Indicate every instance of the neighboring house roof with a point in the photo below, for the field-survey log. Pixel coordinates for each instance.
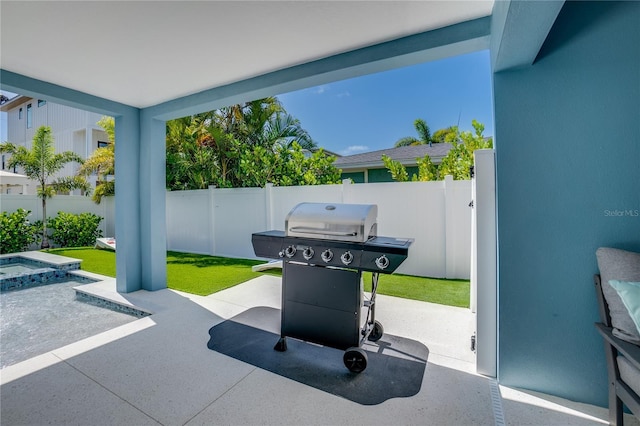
(405, 154)
(14, 102)
(9, 178)
(326, 151)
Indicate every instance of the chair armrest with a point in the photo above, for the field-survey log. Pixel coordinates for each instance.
(630, 351)
(603, 307)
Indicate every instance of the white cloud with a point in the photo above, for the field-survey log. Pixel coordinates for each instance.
(354, 149)
(320, 89)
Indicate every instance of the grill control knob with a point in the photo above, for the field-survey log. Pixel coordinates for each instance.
(327, 255)
(307, 253)
(346, 257)
(382, 262)
(290, 251)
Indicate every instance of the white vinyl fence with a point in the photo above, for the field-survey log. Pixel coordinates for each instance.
(66, 203)
(435, 214)
(220, 222)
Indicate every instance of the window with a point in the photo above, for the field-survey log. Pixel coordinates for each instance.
(20, 114)
(29, 117)
(41, 103)
(102, 144)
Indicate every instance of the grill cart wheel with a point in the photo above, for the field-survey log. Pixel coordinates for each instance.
(376, 332)
(355, 359)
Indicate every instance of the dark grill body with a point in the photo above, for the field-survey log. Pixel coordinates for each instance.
(325, 249)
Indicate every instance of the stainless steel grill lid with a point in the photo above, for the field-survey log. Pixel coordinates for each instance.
(338, 222)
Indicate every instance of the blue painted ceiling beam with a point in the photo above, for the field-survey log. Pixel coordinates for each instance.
(453, 40)
(27, 86)
(518, 30)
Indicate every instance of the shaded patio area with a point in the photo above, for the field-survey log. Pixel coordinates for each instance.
(159, 370)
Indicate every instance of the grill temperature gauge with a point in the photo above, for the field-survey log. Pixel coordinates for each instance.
(327, 255)
(346, 257)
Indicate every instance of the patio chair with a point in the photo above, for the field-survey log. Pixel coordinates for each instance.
(620, 334)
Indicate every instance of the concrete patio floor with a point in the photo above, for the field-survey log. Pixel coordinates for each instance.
(158, 370)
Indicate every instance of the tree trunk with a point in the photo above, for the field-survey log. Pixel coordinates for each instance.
(45, 238)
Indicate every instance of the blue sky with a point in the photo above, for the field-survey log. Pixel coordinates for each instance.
(372, 112)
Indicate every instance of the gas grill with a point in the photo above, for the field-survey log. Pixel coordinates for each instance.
(324, 249)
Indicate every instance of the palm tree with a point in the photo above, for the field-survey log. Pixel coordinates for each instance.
(102, 163)
(263, 122)
(424, 135)
(41, 163)
(199, 153)
(246, 121)
(205, 149)
(284, 129)
(447, 135)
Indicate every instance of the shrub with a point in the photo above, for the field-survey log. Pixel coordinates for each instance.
(75, 230)
(16, 232)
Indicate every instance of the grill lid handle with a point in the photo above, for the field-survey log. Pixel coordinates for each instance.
(322, 231)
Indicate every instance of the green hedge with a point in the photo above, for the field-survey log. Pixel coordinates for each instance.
(74, 230)
(16, 232)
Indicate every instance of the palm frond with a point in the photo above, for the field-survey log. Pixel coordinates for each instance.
(103, 189)
(69, 183)
(101, 162)
(8, 147)
(407, 141)
(108, 124)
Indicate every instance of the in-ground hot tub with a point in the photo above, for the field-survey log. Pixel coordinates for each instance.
(23, 270)
(44, 305)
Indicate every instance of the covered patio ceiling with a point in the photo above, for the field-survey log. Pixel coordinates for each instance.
(144, 53)
(145, 62)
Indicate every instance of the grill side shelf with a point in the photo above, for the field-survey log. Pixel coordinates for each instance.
(267, 244)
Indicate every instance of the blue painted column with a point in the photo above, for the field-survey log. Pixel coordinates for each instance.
(152, 184)
(568, 153)
(127, 153)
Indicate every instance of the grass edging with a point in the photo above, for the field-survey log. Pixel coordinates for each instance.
(204, 275)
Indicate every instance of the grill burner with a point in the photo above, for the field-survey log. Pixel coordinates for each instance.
(325, 249)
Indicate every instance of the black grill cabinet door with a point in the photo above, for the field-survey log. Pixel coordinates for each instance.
(321, 305)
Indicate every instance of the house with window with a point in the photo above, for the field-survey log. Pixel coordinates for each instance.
(73, 130)
(368, 166)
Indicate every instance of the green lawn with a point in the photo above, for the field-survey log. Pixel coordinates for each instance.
(204, 275)
(434, 290)
(101, 262)
(192, 273)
